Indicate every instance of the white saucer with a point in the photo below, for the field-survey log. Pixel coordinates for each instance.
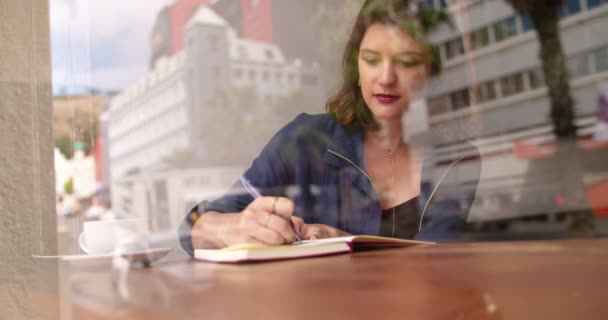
(144, 256)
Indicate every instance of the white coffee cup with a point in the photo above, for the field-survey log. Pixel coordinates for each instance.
(110, 236)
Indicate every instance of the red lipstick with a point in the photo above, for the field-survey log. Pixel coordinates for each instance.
(386, 98)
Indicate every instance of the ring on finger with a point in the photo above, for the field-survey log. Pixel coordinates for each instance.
(274, 204)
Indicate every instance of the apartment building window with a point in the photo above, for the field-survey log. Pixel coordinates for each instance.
(443, 4)
(278, 76)
(237, 73)
(569, 8)
(595, 3)
(536, 78)
(505, 29)
(578, 66)
(242, 52)
(265, 75)
(269, 54)
(601, 59)
(526, 22)
(427, 4)
(252, 75)
(486, 91)
(290, 78)
(460, 99)
(480, 38)
(454, 48)
(217, 72)
(213, 42)
(512, 84)
(309, 79)
(438, 105)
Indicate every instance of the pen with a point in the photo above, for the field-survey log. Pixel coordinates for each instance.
(253, 191)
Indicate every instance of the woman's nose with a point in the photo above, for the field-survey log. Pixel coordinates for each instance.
(387, 76)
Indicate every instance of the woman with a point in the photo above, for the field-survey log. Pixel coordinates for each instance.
(349, 171)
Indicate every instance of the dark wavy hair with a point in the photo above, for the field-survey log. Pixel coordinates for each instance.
(347, 106)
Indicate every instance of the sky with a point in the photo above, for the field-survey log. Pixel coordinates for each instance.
(101, 44)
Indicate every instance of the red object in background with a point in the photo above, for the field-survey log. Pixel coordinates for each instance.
(559, 200)
(527, 151)
(257, 20)
(179, 14)
(256, 16)
(597, 195)
(98, 156)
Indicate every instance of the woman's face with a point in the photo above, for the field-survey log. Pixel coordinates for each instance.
(391, 70)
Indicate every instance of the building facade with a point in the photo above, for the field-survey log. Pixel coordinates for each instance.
(491, 90)
(168, 110)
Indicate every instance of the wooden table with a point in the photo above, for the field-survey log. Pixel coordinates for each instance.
(509, 280)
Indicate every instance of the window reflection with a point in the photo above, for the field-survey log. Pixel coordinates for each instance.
(217, 79)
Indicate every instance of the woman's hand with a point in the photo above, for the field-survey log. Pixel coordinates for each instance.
(316, 231)
(265, 222)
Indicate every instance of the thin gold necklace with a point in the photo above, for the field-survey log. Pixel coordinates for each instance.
(391, 153)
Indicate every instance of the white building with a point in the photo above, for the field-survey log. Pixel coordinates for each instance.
(164, 112)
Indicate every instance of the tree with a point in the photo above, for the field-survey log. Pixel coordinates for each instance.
(68, 186)
(64, 144)
(544, 15)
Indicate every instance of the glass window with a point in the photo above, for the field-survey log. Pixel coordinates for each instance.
(213, 42)
(569, 8)
(480, 38)
(601, 59)
(512, 138)
(486, 91)
(578, 66)
(512, 84)
(438, 105)
(309, 79)
(427, 4)
(505, 28)
(526, 22)
(454, 48)
(269, 54)
(595, 3)
(536, 78)
(217, 72)
(238, 73)
(460, 99)
(242, 52)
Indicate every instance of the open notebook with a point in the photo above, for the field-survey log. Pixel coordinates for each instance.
(302, 249)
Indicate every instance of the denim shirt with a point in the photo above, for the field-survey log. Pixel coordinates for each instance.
(319, 164)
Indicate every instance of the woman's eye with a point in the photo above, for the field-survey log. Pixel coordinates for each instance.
(371, 61)
(408, 63)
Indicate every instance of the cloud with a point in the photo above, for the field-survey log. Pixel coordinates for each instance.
(102, 44)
